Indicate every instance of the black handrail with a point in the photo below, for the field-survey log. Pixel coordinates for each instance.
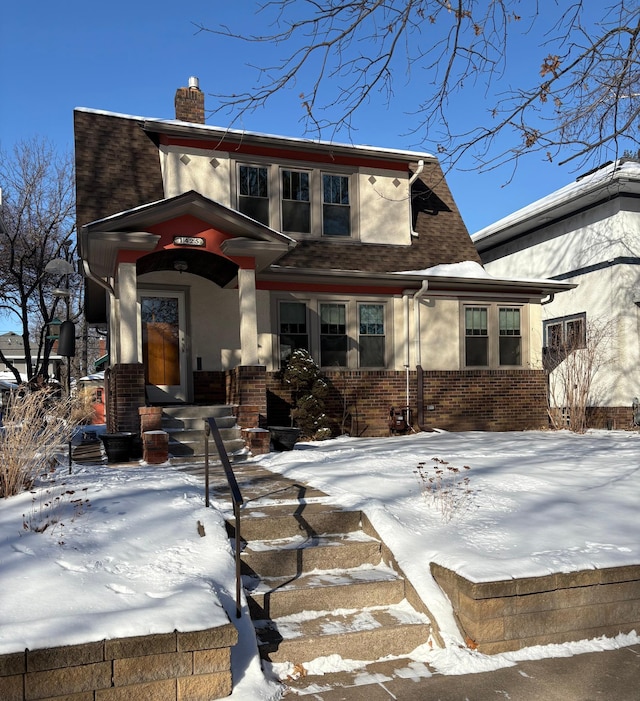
(211, 427)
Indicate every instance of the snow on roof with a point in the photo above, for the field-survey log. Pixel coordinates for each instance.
(614, 175)
(470, 270)
(245, 133)
(467, 268)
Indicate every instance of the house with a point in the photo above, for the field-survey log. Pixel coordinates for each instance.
(586, 233)
(12, 349)
(209, 254)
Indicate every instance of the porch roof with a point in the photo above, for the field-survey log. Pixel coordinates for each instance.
(101, 241)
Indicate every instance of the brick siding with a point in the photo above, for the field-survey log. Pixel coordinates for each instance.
(359, 401)
(125, 395)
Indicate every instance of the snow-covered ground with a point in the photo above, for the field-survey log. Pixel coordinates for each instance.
(122, 553)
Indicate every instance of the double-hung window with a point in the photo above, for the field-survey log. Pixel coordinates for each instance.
(371, 335)
(333, 335)
(296, 201)
(293, 328)
(493, 336)
(253, 192)
(510, 338)
(336, 208)
(476, 336)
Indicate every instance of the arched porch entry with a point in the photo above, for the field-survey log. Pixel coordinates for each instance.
(150, 260)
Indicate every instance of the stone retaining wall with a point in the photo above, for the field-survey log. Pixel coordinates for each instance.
(175, 666)
(511, 614)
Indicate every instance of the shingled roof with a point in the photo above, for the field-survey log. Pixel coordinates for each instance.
(118, 168)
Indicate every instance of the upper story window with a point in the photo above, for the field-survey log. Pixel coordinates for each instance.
(293, 328)
(493, 336)
(296, 201)
(253, 192)
(371, 335)
(336, 209)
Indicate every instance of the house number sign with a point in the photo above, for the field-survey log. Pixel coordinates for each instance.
(188, 241)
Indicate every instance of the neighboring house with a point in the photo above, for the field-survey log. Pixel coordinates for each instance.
(587, 233)
(12, 348)
(210, 254)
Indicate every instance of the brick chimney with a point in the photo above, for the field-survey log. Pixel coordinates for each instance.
(189, 103)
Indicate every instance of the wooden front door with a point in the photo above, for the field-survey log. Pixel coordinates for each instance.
(162, 317)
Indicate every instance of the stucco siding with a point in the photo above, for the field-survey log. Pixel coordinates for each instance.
(384, 207)
(198, 173)
(440, 334)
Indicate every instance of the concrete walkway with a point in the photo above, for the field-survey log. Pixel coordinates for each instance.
(604, 676)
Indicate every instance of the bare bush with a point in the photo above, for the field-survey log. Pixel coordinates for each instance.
(573, 364)
(36, 425)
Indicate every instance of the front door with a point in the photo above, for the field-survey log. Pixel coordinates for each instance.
(162, 317)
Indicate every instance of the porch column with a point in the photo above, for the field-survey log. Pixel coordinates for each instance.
(128, 310)
(248, 317)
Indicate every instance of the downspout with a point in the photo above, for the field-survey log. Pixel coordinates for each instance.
(103, 283)
(550, 298)
(412, 180)
(416, 310)
(416, 175)
(416, 313)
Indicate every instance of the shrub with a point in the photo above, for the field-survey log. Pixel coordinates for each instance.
(309, 389)
(36, 426)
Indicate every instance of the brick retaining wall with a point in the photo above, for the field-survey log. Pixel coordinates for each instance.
(171, 667)
(511, 614)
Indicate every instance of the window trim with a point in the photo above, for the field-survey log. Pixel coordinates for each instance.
(383, 335)
(313, 303)
(493, 334)
(316, 171)
(562, 321)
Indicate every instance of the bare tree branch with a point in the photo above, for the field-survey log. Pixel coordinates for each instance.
(39, 225)
(579, 94)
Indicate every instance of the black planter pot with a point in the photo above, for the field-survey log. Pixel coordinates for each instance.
(118, 446)
(284, 437)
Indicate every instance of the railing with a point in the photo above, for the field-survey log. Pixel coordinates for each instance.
(211, 428)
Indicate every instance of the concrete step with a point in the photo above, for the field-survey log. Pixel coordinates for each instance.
(195, 423)
(368, 633)
(326, 590)
(197, 411)
(358, 683)
(304, 553)
(308, 519)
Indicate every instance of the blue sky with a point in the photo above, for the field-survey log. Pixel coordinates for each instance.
(131, 56)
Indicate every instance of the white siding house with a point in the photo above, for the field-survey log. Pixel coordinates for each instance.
(587, 233)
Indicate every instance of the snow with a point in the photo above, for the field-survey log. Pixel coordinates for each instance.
(122, 554)
(615, 175)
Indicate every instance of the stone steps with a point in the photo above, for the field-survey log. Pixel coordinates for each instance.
(316, 583)
(368, 633)
(185, 426)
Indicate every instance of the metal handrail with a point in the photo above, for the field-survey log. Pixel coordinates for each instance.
(211, 427)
